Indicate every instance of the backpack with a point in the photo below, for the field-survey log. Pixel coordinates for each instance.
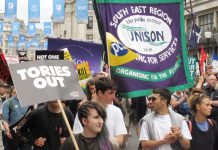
(15, 128)
(183, 108)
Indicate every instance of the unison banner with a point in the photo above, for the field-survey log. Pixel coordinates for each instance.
(41, 81)
(34, 11)
(80, 51)
(10, 9)
(145, 43)
(58, 11)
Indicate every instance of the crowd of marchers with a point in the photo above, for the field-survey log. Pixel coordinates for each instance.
(163, 120)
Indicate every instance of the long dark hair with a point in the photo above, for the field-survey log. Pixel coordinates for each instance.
(88, 91)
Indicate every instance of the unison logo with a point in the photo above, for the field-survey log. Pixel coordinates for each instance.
(145, 34)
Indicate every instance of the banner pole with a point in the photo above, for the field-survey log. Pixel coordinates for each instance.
(68, 126)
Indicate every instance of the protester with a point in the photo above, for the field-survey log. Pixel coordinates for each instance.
(95, 134)
(137, 112)
(45, 128)
(204, 131)
(90, 90)
(105, 90)
(212, 93)
(163, 128)
(179, 103)
(12, 112)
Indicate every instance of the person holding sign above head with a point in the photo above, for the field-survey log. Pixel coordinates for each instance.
(45, 128)
(106, 90)
(95, 134)
(163, 129)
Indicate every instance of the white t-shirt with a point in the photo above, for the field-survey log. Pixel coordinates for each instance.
(114, 122)
(162, 125)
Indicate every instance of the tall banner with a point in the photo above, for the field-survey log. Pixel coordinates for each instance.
(58, 11)
(1, 41)
(10, 9)
(10, 41)
(34, 43)
(146, 44)
(82, 11)
(22, 41)
(42, 81)
(47, 28)
(31, 29)
(80, 52)
(15, 29)
(1, 28)
(34, 11)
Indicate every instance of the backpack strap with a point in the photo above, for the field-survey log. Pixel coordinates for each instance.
(211, 122)
(190, 126)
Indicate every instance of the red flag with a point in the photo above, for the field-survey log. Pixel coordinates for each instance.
(203, 58)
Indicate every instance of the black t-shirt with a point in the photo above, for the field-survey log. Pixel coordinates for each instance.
(213, 95)
(43, 123)
(83, 143)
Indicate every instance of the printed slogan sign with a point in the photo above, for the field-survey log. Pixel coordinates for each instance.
(145, 44)
(192, 67)
(49, 55)
(41, 81)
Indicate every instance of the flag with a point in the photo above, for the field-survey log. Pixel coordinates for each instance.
(202, 60)
(214, 56)
(215, 62)
(194, 35)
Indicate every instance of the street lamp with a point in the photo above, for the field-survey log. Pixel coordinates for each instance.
(208, 36)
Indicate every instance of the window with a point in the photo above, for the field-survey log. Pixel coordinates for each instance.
(206, 23)
(90, 22)
(90, 7)
(89, 37)
(189, 24)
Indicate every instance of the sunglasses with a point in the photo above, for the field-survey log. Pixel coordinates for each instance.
(152, 98)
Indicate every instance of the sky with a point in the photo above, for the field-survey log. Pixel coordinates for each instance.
(22, 10)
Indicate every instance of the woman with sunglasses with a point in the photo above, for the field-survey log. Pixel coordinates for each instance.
(204, 131)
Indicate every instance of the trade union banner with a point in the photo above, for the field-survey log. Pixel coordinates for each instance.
(145, 43)
(41, 81)
(79, 52)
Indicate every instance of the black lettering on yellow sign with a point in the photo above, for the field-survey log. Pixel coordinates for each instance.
(83, 71)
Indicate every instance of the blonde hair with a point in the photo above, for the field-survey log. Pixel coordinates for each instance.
(195, 98)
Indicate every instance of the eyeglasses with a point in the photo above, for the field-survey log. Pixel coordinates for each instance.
(152, 98)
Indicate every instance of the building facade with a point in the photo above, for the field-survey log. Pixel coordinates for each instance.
(204, 13)
(74, 30)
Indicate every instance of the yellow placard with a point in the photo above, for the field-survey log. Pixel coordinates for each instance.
(67, 55)
(83, 71)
